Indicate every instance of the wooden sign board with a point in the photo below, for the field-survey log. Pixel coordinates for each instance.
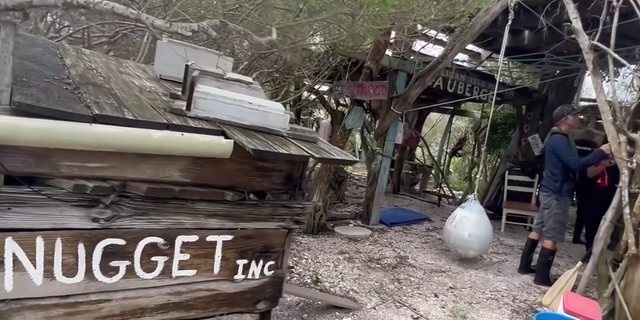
(145, 274)
(466, 85)
(362, 90)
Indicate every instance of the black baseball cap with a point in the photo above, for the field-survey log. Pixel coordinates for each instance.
(565, 110)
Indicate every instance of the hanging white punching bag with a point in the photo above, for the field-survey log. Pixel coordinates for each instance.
(468, 232)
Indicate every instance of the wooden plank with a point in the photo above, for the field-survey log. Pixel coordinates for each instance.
(82, 186)
(182, 301)
(385, 163)
(301, 133)
(151, 190)
(110, 95)
(320, 297)
(325, 152)
(241, 171)
(7, 41)
(156, 94)
(41, 83)
(52, 208)
(162, 256)
(264, 145)
(195, 193)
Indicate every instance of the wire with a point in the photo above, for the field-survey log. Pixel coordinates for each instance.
(495, 92)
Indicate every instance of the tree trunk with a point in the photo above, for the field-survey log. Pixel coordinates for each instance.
(326, 172)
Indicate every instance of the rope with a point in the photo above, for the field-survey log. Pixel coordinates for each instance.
(495, 92)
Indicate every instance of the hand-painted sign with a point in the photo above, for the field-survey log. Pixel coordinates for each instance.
(363, 90)
(458, 83)
(53, 262)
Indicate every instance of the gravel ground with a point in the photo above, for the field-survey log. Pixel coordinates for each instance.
(408, 273)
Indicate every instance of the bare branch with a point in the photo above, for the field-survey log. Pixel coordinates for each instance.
(184, 29)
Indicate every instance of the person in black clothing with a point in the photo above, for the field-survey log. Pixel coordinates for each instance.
(561, 163)
(607, 177)
(585, 184)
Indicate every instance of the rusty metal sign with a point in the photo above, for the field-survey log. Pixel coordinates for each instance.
(361, 90)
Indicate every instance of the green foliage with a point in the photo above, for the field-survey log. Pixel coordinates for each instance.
(502, 128)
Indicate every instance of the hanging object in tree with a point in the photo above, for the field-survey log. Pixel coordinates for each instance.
(468, 232)
(324, 129)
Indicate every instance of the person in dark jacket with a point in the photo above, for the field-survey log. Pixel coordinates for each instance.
(607, 178)
(584, 187)
(556, 190)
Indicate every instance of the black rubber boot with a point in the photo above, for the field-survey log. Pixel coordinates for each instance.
(543, 269)
(527, 257)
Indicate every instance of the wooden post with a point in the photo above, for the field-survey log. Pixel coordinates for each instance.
(444, 142)
(385, 163)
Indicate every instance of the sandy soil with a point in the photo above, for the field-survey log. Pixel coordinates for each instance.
(408, 273)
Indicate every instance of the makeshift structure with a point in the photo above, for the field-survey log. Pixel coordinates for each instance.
(113, 207)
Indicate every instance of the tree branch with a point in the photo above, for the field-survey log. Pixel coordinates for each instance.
(425, 77)
(184, 29)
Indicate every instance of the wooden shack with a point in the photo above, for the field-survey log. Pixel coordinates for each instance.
(113, 208)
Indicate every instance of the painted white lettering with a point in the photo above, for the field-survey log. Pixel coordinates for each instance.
(267, 271)
(97, 258)
(461, 87)
(179, 256)
(137, 257)
(255, 269)
(438, 84)
(217, 258)
(57, 264)
(240, 263)
(36, 273)
(476, 91)
(467, 90)
(451, 86)
(484, 94)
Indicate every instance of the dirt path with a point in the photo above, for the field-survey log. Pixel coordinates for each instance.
(408, 273)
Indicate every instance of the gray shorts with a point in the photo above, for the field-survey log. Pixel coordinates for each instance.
(553, 217)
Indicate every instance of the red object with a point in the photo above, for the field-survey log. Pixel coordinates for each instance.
(603, 178)
(580, 307)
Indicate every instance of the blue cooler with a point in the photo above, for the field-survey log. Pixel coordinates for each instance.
(552, 316)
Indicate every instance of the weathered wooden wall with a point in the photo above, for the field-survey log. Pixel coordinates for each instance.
(66, 256)
(242, 172)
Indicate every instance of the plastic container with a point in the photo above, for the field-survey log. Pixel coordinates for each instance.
(552, 316)
(579, 307)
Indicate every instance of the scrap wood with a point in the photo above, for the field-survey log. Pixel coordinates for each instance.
(320, 296)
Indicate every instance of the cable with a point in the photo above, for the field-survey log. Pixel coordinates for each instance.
(495, 92)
